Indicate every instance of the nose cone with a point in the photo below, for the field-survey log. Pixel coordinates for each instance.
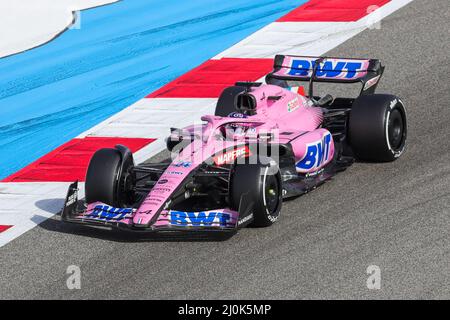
(160, 194)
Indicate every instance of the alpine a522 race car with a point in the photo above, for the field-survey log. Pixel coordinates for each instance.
(265, 143)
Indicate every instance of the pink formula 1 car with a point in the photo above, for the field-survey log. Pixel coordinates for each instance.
(264, 143)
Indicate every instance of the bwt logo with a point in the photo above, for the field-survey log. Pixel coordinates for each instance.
(110, 213)
(328, 69)
(316, 154)
(182, 218)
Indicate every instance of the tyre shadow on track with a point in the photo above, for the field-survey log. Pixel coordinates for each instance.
(56, 225)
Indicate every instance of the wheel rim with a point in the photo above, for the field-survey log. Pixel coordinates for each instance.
(126, 189)
(271, 191)
(395, 129)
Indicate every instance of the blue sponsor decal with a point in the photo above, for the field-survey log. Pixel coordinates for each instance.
(316, 154)
(184, 164)
(182, 218)
(329, 69)
(108, 213)
(237, 115)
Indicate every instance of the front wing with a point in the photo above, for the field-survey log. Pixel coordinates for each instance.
(102, 215)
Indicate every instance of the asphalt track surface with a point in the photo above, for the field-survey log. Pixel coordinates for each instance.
(394, 215)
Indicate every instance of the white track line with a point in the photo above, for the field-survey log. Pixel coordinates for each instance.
(306, 38)
(153, 118)
(25, 205)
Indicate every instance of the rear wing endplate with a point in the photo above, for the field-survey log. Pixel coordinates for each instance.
(327, 69)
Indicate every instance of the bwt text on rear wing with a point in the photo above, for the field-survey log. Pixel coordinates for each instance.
(327, 69)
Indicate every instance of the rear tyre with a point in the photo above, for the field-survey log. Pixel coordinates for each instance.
(227, 102)
(377, 128)
(262, 183)
(110, 179)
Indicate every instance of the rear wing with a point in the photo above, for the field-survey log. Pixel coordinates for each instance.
(327, 69)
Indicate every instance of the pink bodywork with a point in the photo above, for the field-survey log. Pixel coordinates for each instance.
(282, 115)
(292, 119)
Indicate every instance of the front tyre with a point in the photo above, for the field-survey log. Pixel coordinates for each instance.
(377, 128)
(262, 183)
(110, 178)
